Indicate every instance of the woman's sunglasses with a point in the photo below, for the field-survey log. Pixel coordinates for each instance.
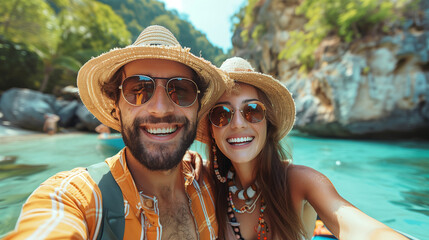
(138, 89)
(221, 115)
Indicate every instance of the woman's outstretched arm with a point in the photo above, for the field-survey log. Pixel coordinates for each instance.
(343, 219)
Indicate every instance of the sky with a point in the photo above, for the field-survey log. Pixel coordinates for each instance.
(212, 17)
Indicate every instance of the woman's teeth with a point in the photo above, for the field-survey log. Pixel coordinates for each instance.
(161, 131)
(240, 140)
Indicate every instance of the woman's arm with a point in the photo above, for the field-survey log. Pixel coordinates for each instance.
(342, 218)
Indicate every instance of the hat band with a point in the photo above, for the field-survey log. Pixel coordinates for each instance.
(242, 70)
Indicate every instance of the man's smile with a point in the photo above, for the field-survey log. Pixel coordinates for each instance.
(161, 131)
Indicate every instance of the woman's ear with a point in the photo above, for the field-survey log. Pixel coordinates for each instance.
(211, 131)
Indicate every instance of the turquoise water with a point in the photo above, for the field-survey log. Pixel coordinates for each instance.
(387, 180)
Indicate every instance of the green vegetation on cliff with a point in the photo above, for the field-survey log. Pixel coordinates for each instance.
(348, 19)
(247, 19)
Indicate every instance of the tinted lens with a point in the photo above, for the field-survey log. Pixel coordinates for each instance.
(220, 116)
(138, 89)
(253, 112)
(182, 91)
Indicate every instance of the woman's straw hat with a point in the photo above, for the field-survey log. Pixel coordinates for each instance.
(154, 42)
(281, 99)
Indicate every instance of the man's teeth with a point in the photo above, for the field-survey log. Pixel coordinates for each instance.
(240, 140)
(161, 131)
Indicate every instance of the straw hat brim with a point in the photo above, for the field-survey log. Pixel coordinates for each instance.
(279, 96)
(102, 68)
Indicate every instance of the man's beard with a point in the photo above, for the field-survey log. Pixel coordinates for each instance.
(158, 156)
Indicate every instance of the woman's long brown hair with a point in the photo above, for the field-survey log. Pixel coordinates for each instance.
(271, 176)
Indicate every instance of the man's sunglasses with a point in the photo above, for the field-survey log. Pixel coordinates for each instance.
(221, 115)
(138, 89)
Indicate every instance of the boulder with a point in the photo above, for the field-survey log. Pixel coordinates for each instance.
(66, 110)
(26, 108)
(87, 121)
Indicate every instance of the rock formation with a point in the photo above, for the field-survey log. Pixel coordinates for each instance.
(377, 86)
(26, 109)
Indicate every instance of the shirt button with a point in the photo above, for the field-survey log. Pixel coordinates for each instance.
(148, 203)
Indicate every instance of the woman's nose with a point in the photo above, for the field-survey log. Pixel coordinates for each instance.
(238, 120)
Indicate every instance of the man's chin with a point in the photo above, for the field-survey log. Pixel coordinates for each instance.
(158, 156)
(161, 160)
(152, 146)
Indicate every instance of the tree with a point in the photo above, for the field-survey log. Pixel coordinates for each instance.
(32, 23)
(65, 37)
(19, 67)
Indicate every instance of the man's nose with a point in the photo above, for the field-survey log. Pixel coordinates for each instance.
(160, 104)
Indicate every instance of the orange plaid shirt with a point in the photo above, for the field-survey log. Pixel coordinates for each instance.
(69, 206)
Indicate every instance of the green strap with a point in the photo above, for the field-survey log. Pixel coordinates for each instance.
(113, 224)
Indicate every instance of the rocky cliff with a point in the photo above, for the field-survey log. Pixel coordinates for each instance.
(375, 86)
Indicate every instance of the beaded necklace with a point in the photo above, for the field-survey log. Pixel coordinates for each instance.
(245, 208)
(262, 228)
(244, 194)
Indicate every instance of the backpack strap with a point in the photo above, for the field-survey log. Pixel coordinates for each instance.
(113, 223)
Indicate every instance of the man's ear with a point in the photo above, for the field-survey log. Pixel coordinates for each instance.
(116, 113)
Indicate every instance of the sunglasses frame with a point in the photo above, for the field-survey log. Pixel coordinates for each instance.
(156, 85)
(264, 109)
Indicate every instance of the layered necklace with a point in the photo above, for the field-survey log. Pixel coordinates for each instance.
(250, 198)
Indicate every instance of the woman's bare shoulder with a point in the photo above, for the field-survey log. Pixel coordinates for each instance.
(306, 177)
(295, 170)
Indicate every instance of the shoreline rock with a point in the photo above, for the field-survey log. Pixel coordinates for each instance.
(26, 109)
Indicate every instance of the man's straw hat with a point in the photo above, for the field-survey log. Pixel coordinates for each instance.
(281, 99)
(154, 42)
